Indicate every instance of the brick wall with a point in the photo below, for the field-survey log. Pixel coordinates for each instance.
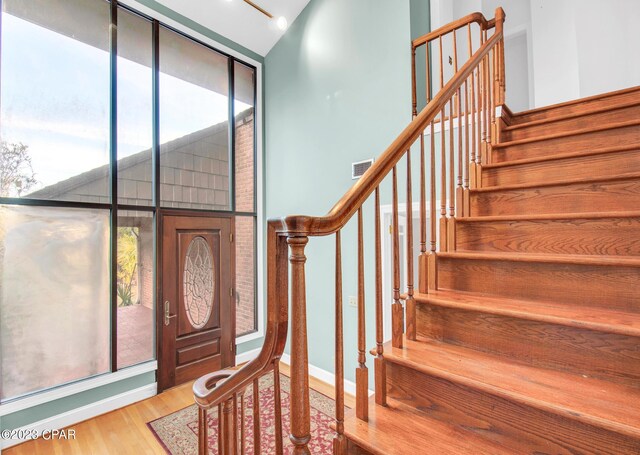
(245, 231)
(245, 164)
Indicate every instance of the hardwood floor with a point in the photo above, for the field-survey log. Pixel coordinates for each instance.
(125, 430)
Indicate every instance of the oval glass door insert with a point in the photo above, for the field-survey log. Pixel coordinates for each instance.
(198, 282)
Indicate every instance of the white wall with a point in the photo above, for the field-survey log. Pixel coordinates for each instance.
(517, 29)
(575, 48)
(608, 60)
(555, 52)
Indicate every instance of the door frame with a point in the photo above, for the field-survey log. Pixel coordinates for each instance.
(159, 307)
(386, 212)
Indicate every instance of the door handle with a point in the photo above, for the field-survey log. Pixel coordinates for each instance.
(167, 313)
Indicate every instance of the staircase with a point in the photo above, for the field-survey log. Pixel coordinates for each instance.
(530, 342)
(522, 335)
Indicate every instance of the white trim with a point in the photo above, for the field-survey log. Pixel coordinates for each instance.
(253, 335)
(326, 376)
(84, 412)
(36, 399)
(437, 127)
(247, 356)
(387, 210)
(259, 161)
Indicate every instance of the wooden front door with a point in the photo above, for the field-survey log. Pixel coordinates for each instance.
(195, 315)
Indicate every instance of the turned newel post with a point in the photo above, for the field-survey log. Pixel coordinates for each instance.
(300, 414)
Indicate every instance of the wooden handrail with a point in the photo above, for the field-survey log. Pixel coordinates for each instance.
(478, 18)
(347, 206)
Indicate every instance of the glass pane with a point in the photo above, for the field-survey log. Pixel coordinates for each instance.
(198, 282)
(134, 287)
(194, 125)
(245, 275)
(55, 100)
(244, 90)
(134, 110)
(54, 296)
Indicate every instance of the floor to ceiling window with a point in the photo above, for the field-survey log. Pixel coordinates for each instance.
(101, 129)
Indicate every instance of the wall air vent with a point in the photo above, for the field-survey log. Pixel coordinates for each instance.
(359, 168)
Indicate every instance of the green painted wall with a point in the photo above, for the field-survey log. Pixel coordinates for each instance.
(338, 90)
(420, 25)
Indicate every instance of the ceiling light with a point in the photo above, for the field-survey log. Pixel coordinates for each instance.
(282, 23)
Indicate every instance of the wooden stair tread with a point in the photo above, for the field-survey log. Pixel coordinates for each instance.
(570, 133)
(548, 258)
(560, 156)
(548, 216)
(525, 186)
(591, 318)
(397, 429)
(591, 401)
(573, 115)
(597, 97)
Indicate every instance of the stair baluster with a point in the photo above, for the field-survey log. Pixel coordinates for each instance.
(278, 409)
(339, 441)
(473, 176)
(204, 443)
(490, 105)
(459, 203)
(379, 365)
(397, 313)
(256, 418)
(241, 423)
(450, 232)
(203, 431)
(431, 258)
(362, 372)
(422, 258)
(410, 310)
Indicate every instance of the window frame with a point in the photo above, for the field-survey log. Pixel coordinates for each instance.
(158, 20)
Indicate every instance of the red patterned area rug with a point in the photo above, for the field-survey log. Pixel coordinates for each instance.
(178, 432)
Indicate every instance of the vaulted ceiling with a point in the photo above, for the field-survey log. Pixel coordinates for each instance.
(238, 21)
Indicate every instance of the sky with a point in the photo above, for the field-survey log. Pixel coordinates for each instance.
(55, 99)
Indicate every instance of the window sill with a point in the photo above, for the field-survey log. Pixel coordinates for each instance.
(46, 396)
(250, 336)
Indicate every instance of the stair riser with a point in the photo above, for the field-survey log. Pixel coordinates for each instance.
(500, 419)
(585, 352)
(600, 103)
(609, 286)
(596, 140)
(355, 449)
(583, 122)
(597, 236)
(604, 165)
(614, 195)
